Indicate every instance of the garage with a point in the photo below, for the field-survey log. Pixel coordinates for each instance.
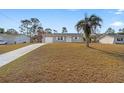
(68, 39)
(48, 39)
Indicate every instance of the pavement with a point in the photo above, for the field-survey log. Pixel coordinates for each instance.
(12, 55)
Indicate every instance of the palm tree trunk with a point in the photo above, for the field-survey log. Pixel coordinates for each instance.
(87, 42)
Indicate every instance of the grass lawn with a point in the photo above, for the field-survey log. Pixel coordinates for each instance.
(7, 48)
(68, 62)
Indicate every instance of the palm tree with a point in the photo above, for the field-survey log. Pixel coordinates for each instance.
(88, 26)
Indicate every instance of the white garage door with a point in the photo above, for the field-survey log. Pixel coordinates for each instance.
(48, 39)
(68, 39)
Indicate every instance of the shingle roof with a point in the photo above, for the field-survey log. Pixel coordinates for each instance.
(62, 34)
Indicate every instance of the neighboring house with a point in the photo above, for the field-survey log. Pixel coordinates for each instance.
(22, 39)
(59, 37)
(12, 39)
(112, 39)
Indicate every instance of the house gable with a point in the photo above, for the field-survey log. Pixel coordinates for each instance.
(107, 39)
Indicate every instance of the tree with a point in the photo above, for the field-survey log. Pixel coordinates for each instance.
(55, 31)
(35, 24)
(48, 30)
(110, 31)
(64, 30)
(88, 25)
(40, 29)
(121, 31)
(29, 27)
(2, 30)
(22, 29)
(26, 25)
(11, 31)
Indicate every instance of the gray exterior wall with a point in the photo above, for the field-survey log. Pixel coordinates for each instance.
(77, 40)
(67, 37)
(119, 37)
(1, 38)
(56, 40)
(11, 39)
(22, 39)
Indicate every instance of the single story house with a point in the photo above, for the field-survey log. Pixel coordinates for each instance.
(111, 39)
(62, 37)
(12, 39)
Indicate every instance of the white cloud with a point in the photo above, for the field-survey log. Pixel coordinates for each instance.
(119, 11)
(117, 24)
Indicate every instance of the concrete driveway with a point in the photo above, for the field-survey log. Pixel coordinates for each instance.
(12, 55)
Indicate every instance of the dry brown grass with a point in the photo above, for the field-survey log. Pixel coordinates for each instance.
(68, 62)
(7, 48)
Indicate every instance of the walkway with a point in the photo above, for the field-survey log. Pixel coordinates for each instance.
(12, 55)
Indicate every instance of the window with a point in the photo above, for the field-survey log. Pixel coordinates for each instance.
(119, 39)
(60, 38)
(75, 37)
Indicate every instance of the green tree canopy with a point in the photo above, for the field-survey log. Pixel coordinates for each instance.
(2, 30)
(48, 30)
(121, 31)
(11, 31)
(110, 31)
(64, 30)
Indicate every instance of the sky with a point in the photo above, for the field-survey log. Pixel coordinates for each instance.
(58, 18)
